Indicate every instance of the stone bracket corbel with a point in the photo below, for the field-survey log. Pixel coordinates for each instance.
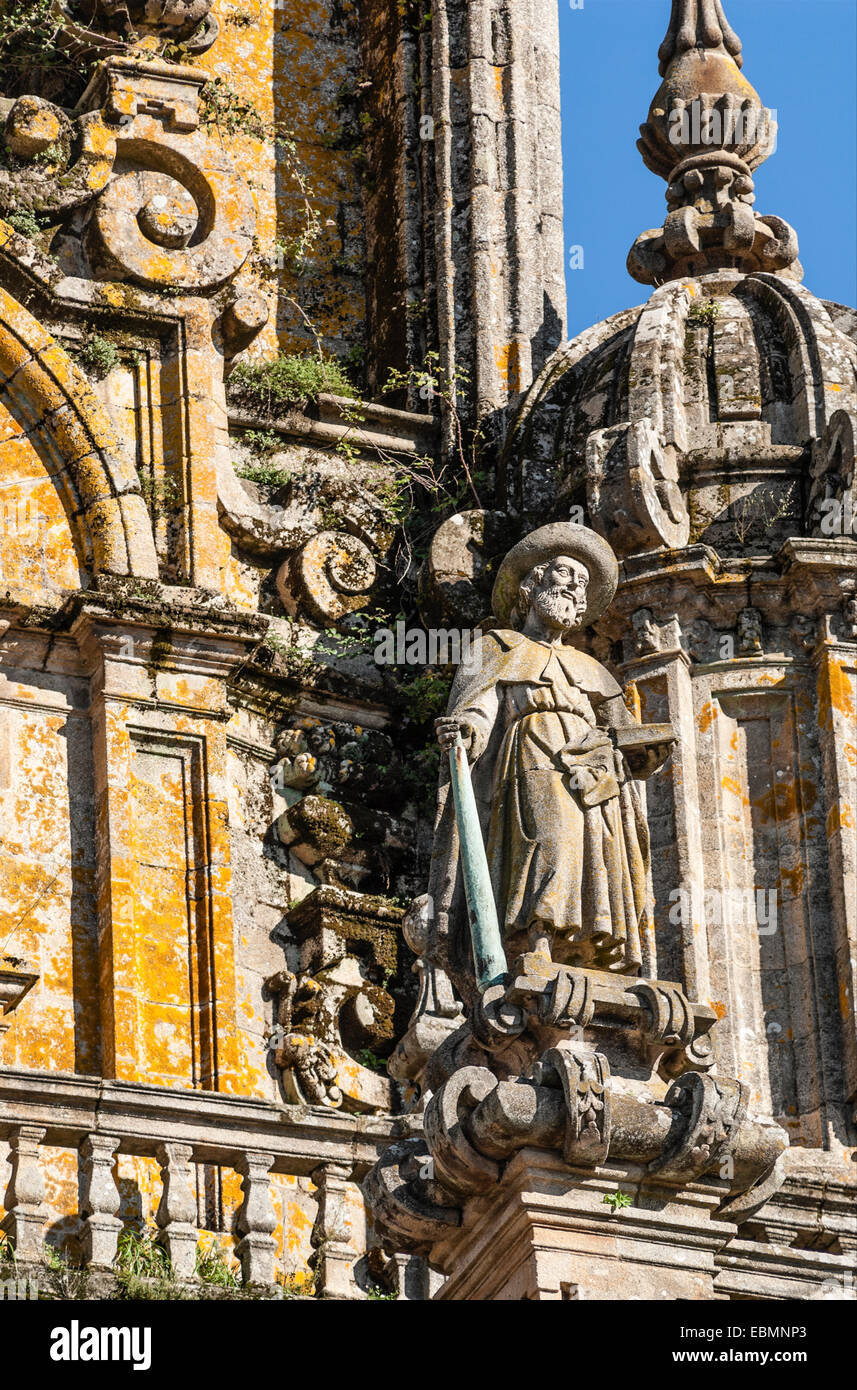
(458, 1165)
(409, 1209)
(549, 1000)
(709, 1113)
(16, 981)
(474, 1122)
(585, 1082)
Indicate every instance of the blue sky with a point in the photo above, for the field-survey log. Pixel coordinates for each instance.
(800, 57)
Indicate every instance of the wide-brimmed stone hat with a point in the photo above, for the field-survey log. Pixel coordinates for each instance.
(542, 546)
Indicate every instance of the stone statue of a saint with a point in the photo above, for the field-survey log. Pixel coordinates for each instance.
(560, 811)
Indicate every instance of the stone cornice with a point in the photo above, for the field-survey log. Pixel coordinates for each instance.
(331, 418)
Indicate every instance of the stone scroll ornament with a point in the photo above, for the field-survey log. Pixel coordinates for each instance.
(178, 213)
(536, 907)
(832, 509)
(331, 576)
(633, 490)
(166, 206)
(54, 162)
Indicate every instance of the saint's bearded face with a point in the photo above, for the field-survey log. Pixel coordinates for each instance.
(560, 596)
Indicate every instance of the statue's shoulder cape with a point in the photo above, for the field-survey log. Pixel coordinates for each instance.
(503, 656)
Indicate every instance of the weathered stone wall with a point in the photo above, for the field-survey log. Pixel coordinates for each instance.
(48, 854)
(214, 802)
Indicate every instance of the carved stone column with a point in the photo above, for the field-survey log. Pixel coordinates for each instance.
(835, 664)
(334, 1259)
(100, 1203)
(496, 144)
(257, 1220)
(26, 1210)
(410, 1278)
(662, 681)
(176, 1215)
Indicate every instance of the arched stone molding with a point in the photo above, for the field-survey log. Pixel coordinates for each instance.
(822, 361)
(67, 424)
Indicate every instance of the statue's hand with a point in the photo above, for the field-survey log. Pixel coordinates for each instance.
(449, 727)
(582, 778)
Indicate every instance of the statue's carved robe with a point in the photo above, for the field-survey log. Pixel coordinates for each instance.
(564, 828)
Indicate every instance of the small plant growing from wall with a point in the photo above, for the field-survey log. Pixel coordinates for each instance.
(616, 1201)
(25, 222)
(213, 1267)
(99, 355)
(290, 380)
(705, 313)
(64, 1280)
(265, 473)
(369, 1059)
(32, 57)
(376, 1294)
(161, 494)
(263, 443)
(298, 1285)
(240, 17)
(50, 156)
(143, 1269)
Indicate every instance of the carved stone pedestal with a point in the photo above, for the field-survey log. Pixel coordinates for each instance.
(547, 1234)
(26, 1211)
(566, 1087)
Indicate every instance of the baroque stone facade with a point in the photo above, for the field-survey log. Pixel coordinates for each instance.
(282, 370)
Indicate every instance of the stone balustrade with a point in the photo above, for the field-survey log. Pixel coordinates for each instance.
(103, 1120)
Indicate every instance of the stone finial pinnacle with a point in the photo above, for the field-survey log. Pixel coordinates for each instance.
(706, 131)
(699, 24)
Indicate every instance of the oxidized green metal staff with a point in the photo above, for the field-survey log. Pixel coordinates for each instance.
(488, 955)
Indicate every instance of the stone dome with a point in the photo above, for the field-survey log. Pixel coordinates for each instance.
(722, 411)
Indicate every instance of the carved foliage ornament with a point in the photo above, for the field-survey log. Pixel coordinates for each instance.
(308, 1049)
(585, 1081)
(709, 1112)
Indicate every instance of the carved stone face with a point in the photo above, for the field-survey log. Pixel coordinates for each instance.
(560, 595)
(645, 630)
